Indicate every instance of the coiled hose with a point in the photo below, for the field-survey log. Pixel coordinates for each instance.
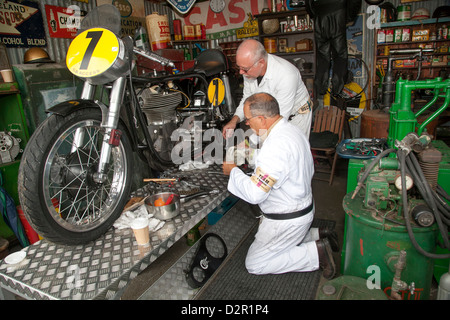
(426, 192)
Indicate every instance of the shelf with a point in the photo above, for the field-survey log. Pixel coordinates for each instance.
(291, 38)
(9, 88)
(379, 57)
(293, 53)
(189, 41)
(414, 22)
(280, 14)
(281, 34)
(411, 42)
(427, 71)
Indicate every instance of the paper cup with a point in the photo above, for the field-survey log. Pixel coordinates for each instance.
(140, 230)
(7, 75)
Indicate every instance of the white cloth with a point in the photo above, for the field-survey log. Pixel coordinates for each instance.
(125, 219)
(283, 81)
(284, 156)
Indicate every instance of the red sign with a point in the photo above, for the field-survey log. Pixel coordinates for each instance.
(63, 22)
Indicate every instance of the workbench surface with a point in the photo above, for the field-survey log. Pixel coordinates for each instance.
(102, 268)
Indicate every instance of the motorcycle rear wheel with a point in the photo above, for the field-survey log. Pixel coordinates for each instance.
(58, 194)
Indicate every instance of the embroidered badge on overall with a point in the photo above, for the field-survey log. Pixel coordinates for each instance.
(263, 180)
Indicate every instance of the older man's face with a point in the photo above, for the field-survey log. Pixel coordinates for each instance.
(248, 67)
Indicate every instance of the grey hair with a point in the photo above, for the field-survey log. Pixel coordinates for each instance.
(260, 52)
(263, 104)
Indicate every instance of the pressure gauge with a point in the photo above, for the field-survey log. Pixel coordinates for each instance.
(398, 182)
(217, 5)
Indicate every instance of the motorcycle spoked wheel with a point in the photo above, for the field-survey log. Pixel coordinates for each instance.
(57, 191)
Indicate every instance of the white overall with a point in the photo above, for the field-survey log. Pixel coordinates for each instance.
(283, 81)
(280, 245)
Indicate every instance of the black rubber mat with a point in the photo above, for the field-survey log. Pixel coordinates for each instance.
(233, 282)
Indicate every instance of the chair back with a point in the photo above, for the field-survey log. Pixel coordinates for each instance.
(329, 118)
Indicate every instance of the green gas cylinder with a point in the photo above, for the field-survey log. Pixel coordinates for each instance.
(373, 246)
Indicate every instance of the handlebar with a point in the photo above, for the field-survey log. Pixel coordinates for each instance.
(154, 57)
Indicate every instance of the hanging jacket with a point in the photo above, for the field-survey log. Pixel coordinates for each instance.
(330, 22)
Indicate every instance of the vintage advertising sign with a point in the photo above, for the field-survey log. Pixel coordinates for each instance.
(226, 23)
(21, 24)
(63, 22)
(132, 14)
(250, 28)
(182, 6)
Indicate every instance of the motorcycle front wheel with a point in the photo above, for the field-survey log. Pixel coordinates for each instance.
(58, 193)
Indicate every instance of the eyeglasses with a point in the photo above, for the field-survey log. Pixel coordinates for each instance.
(245, 70)
(247, 120)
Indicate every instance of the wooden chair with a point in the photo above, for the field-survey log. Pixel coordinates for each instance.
(329, 121)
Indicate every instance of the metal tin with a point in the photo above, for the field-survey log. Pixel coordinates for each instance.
(270, 44)
(403, 13)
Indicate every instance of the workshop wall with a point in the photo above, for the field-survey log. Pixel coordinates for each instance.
(57, 47)
(369, 41)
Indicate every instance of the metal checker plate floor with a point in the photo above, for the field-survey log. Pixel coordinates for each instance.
(102, 268)
(232, 228)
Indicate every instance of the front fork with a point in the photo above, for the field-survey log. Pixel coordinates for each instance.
(110, 120)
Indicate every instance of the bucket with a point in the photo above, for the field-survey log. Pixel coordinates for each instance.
(404, 13)
(29, 231)
(270, 44)
(158, 31)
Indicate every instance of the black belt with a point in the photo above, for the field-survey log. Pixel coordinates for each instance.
(290, 215)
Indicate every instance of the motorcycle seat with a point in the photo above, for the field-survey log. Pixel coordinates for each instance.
(210, 62)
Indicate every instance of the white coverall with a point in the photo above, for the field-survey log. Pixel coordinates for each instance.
(281, 183)
(283, 81)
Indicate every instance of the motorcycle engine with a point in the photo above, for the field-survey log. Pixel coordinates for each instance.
(159, 106)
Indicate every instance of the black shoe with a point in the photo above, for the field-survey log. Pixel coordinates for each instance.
(326, 260)
(332, 237)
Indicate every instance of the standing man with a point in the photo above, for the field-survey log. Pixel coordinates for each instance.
(281, 186)
(269, 73)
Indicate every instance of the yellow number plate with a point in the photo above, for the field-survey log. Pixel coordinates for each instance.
(92, 52)
(216, 91)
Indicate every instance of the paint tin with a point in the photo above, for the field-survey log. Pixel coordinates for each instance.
(404, 13)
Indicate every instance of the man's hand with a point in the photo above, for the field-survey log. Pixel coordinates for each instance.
(227, 167)
(228, 129)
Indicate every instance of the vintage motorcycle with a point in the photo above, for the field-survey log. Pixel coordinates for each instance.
(76, 170)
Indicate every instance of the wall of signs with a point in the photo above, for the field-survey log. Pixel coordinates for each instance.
(225, 23)
(21, 24)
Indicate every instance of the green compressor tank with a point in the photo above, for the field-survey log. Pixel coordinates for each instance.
(374, 243)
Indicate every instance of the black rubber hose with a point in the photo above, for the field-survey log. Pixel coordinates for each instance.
(420, 185)
(442, 206)
(442, 193)
(401, 156)
(430, 202)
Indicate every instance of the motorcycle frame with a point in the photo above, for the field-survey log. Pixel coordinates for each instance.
(133, 119)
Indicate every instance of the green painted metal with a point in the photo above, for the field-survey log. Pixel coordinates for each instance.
(12, 121)
(349, 288)
(373, 244)
(402, 119)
